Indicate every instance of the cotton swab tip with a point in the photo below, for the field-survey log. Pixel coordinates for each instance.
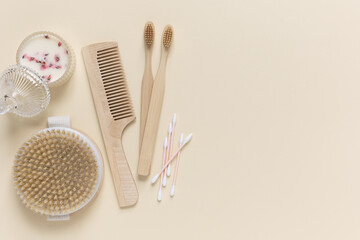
(168, 173)
(188, 138)
(170, 128)
(172, 192)
(164, 181)
(159, 195)
(165, 143)
(174, 119)
(181, 138)
(155, 178)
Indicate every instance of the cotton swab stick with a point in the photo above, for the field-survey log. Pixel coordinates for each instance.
(163, 163)
(168, 173)
(188, 138)
(172, 192)
(167, 153)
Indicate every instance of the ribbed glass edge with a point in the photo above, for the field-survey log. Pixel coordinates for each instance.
(33, 76)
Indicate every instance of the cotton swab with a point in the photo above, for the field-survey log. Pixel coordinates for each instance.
(172, 192)
(164, 181)
(159, 195)
(163, 163)
(167, 152)
(188, 138)
(171, 143)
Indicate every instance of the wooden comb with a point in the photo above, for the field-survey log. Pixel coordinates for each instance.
(114, 110)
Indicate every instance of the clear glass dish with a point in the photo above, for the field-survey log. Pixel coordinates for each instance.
(22, 92)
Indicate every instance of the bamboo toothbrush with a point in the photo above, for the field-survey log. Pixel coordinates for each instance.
(156, 101)
(148, 79)
(172, 191)
(114, 110)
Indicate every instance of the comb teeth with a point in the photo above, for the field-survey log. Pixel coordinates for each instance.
(149, 33)
(167, 36)
(114, 81)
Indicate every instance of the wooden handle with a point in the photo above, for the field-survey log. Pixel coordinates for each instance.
(121, 173)
(146, 89)
(152, 122)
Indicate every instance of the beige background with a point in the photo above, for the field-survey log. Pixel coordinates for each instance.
(270, 90)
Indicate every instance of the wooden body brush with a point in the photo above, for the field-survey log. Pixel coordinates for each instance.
(58, 171)
(148, 79)
(114, 110)
(153, 117)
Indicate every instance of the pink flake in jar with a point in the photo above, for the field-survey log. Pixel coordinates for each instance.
(49, 55)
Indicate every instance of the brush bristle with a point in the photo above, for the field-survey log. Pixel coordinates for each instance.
(149, 33)
(55, 172)
(167, 36)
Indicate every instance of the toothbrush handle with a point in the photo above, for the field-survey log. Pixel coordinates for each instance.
(146, 89)
(152, 122)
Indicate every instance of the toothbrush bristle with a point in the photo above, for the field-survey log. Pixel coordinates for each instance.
(149, 33)
(167, 36)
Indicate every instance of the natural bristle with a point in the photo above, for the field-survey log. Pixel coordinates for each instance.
(55, 172)
(149, 33)
(167, 36)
